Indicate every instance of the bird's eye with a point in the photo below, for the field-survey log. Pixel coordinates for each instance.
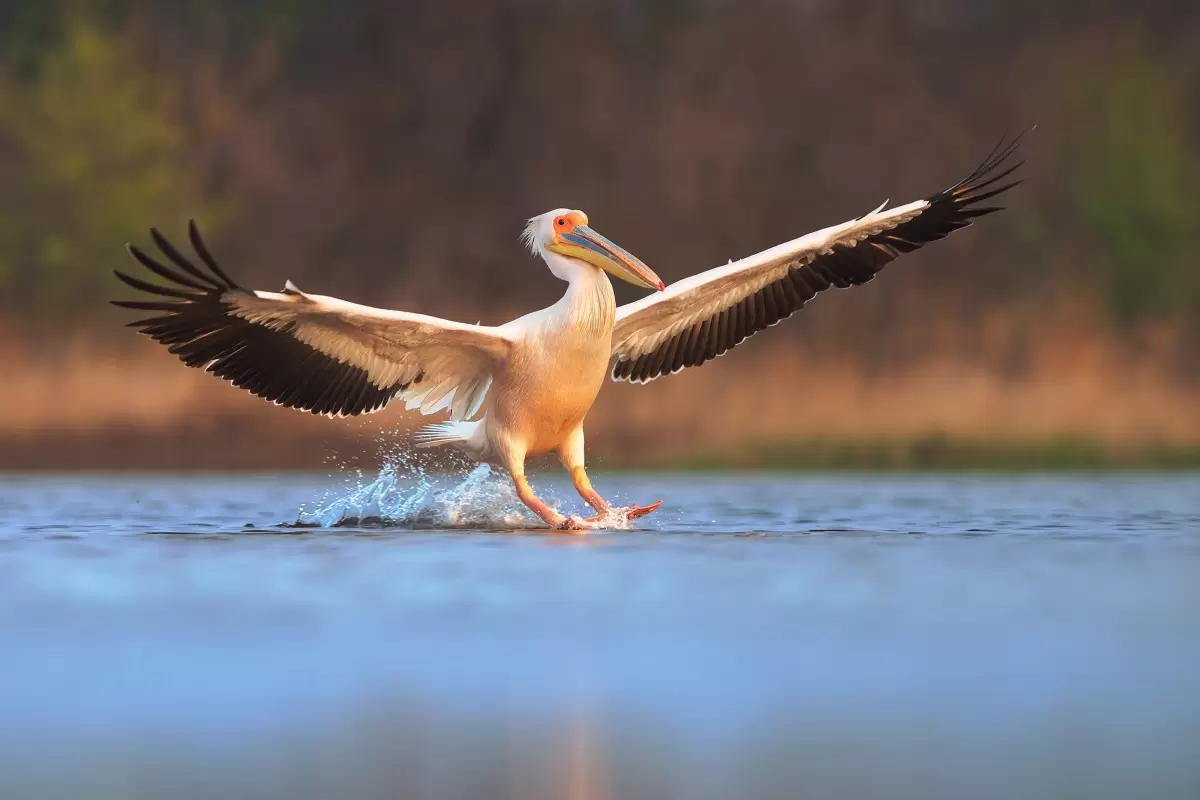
(560, 222)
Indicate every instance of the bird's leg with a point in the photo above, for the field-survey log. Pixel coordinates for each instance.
(584, 487)
(571, 454)
(605, 509)
(525, 492)
(514, 460)
(548, 514)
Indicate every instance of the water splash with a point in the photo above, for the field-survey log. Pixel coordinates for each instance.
(428, 490)
(405, 495)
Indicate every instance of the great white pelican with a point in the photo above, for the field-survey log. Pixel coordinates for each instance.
(525, 387)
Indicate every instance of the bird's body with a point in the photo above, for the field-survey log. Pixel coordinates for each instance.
(524, 388)
(555, 370)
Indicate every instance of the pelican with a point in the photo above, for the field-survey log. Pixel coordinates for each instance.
(524, 388)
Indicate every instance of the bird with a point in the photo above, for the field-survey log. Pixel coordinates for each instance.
(524, 388)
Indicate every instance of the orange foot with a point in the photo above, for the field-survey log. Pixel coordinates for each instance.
(626, 513)
(577, 525)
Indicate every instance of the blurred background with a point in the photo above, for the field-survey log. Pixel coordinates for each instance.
(389, 153)
(774, 635)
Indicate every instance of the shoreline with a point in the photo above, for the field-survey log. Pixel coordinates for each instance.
(246, 450)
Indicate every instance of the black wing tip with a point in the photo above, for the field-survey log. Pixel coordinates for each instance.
(974, 213)
(979, 198)
(195, 284)
(999, 154)
(1005, 151)
(136, 252)
(163, 243)
(963, 193)
(197, 328)
(206, 255)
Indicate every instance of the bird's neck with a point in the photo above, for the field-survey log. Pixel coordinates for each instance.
(589, 304)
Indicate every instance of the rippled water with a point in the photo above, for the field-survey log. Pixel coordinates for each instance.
(759, 636)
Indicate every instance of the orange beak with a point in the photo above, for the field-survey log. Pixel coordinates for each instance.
(585, 244)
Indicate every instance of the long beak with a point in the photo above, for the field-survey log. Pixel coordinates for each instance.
(587, 245)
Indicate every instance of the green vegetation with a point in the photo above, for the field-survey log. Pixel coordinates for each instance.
(99, 152)
(939, 452)
(1132, 170)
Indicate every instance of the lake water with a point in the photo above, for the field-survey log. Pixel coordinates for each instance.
(780, 636)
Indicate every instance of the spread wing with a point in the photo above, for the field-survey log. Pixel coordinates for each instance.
(306, 351)
(702, 317)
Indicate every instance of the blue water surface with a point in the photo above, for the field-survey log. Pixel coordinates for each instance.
(760, 636)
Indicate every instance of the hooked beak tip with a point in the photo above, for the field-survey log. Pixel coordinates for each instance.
(661, 285)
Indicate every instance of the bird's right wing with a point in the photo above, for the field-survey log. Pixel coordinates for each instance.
(310, 352)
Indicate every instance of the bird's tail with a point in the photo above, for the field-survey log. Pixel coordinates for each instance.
(442, 433)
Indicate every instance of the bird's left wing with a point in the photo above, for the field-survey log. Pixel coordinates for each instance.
(701, 317)
(310, 352)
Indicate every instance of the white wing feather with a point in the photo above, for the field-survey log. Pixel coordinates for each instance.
(443, 364)
(643, 325)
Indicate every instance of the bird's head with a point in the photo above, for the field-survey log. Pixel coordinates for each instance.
(564, 232)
